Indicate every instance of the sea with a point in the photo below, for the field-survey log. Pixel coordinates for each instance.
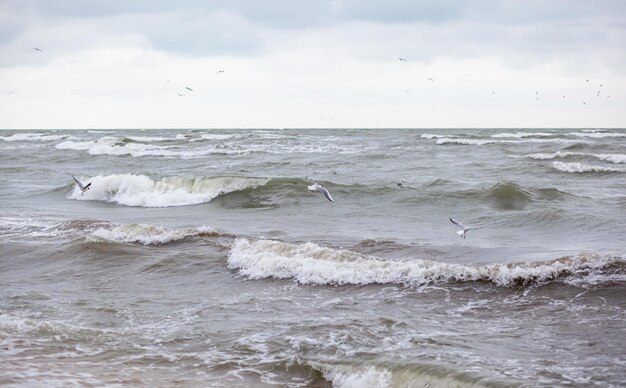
(199, 258)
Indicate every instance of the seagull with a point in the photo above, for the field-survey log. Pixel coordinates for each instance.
(430, 79)
(220, 71)
(36, 49)
(462, 228)
(188, 88)
(402, 59)
(321, 189)
(80, 185)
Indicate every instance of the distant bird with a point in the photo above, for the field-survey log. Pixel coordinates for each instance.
(180, 94)
(462, 228)
(402, 59)
(430, 79)
(587, 80)
(36, 49)
(321, 189)
(563, 96)
(82, 187)
(537, 92)
(492, 92)
(188, 88)
(12, 92)
(220, 71)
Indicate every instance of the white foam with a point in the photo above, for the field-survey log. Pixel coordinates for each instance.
(142, 191)
(520, 135)
(37, 137)
(311, 264)
(431, 136)
(347, 377)
(611, 158)
(150, 138)
(148, 234)
(582, 168)
(449, 140)
(597, 135)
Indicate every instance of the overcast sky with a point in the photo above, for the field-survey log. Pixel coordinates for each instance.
(303, 63)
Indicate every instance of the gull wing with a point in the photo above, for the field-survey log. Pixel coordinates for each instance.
(326, 193)
(458, 224)
(80, 185)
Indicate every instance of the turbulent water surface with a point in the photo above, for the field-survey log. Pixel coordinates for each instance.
(199, 258)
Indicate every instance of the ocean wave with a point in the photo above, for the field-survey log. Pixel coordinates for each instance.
(312, 264)
(583, 168)
(13, 228)
(597, 134)
(37, 137)
(149, 234)
(110, 145)
(520, 135)
(482, 141)
(142, 191)
(611, 158)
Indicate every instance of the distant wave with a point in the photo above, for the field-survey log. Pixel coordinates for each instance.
(312, 264)
(142, 191)
(28, 228)
(521, 135)
(148, 234)
(483, 141)
(37, 137)
(612, 158)
(583, 168)
(597, 134)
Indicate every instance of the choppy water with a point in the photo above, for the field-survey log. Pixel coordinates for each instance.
(199, 258)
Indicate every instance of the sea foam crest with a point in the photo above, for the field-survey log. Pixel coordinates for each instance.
(597, 134)
(520, 135)
(582, 168)
(312, 264)
(611, 158)
(37, 137)
(148, 234)
(110, 145)
(142, 191)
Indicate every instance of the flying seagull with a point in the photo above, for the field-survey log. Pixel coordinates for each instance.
(80, 185)
(220, 71)
(402, 59)
(321, 189)
(430, 79)
(188, 88)
(36, 49)
(462, 228)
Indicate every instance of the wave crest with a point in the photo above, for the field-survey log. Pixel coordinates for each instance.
(142, 191)
(311, 264)
(149, 234)
(583, 168)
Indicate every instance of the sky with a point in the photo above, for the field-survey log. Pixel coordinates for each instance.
(80, 64)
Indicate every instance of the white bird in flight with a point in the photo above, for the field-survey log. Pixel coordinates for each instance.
(321, 189)
(82, 187)
(462, 228)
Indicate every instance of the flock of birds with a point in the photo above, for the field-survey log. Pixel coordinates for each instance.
(315, 187)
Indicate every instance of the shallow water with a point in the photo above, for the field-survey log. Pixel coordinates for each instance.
(199, 257)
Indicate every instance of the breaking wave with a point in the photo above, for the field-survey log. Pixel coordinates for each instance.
(520, 135)
(611, 158)
(149, 234)
(142, 191)
(597, 134)
(583, 168)
(37, 137)
(312, 264)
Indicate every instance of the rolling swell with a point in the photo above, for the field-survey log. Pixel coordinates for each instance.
(312, 264)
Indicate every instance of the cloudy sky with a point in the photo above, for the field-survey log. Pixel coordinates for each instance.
(302, 63)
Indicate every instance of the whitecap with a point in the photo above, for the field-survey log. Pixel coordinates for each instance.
(582, 168)
(148, 234)
(312, 264)
(37, 137)
(142, 191)
(520, 135)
